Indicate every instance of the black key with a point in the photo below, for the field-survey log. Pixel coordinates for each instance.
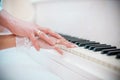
(83, 40)
(118, 56)
(103, 48)
(72, 39)
(99, 45)
(113, 53)
(79, 41)
(95, 45)
(67, 37)
(107, 50)
(88, 45)
(85, 43)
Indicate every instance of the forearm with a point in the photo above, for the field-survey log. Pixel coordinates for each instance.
(7, 20)
(7, 41)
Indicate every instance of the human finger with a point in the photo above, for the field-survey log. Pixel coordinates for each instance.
(50, 32)
(58, 50)
(54, 34)
(43, 44)
(63, 42)
(68, 44)
(34, 42)
(45, 37)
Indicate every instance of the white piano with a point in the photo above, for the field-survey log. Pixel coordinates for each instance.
(93, 20)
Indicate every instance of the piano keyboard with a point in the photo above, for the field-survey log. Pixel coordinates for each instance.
(102, 54)
(89, 61)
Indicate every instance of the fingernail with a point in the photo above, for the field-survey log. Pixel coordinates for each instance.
(38, 49)
(74, 45)
(60, 36)
(59, 51)
(52, 43)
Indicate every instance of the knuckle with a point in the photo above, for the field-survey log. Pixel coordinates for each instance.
(48, 29)
(42, 34)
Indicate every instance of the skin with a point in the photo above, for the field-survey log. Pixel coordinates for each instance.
(30, 30)
(8, 41)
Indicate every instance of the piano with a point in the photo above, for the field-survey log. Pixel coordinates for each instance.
(91, 60)
(91, 20)
(103, 60)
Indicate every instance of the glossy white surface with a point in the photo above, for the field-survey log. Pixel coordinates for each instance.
(18, 65)
(28, 64)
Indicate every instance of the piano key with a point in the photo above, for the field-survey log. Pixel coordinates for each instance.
(88, 45)
(79, 41)
(113, 52)
(118, 56)
(103, 48)
(99, 45)
(96, 57)
(70, 38)
(82, 40)
(94, 45)
(110, 62)
(94, 66)
(107, 50)
(74, 39)
(85, 43)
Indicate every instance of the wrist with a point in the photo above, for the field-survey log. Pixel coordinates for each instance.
(7, 41)
(7, 20)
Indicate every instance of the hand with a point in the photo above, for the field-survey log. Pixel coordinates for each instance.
(43, 44)
(32, 30)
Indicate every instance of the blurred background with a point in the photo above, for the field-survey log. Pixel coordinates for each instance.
(96, 20)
